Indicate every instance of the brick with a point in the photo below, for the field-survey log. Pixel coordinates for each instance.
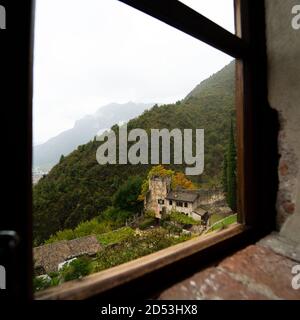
(289, 207)
(255, 273)
(264, 270)
(283, 168)
(211, 284)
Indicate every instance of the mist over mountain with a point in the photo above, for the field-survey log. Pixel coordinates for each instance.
(46, 155)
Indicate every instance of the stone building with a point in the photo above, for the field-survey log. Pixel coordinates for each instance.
(47, 258)
(162, 200)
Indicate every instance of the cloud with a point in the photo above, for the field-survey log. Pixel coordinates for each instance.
(93, 52)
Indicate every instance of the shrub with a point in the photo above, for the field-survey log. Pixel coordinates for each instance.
(92, 227)
(86, 228)
(182, 218)
(67, 234)
(116, 236)
(146, 223)
(172, 228)
(41, 283)
(126, 197)
(76, 269)
(150, 214)
(135, 247)
(115, 216)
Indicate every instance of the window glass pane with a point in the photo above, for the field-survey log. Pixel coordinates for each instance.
(107, 75)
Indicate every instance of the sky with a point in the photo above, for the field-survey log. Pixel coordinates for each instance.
(94, 52)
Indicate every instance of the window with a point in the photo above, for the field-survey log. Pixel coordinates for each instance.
(185, 204)
(170, 202)
(255, 205)
(179, 203)
(161, 201)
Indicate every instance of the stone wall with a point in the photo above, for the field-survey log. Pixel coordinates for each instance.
(283, 49)
(159, 188)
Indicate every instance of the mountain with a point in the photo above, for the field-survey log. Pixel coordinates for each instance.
(46, 155)
(78, 188)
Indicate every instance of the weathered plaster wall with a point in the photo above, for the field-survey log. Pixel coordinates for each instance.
(283, 47)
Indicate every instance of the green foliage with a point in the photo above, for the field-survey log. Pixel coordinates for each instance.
(126, 197)
(40, 283)
(79, 189)
(182, 218)
(76, 269)
(159, 171)
(115, 236)
(92, 227)
(171, 227)
(223, 223)
(215, 218)
(67, 234)
(224, 174)
(229, 172)
(150, 214)
(116, 217)
(135, 247)
(147, 222)
(144, 189)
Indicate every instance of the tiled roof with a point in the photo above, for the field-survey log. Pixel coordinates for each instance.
(49, 256)
(200, 211)
(183, 195)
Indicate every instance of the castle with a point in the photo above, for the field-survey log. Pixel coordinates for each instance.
(161, 199)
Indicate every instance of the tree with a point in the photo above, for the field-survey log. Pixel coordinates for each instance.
(126, 197)
(230, 177)
(180, 180)
(62, 157)
(224, 173)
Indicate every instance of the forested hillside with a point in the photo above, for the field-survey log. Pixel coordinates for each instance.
(78, 188)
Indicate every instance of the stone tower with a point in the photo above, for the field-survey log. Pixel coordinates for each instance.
(155, 200)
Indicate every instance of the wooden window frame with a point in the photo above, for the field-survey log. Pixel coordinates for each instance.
(257, 128)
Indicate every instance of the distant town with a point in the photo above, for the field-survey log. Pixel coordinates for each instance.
(37, 174)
